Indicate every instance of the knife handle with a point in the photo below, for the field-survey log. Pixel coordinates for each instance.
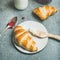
(54, 36)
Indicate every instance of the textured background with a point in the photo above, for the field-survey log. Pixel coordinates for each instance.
(8, 51)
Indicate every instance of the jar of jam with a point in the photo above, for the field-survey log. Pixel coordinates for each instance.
(44, 1)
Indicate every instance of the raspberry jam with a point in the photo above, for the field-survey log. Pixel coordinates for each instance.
(44, 1)
(11, 24)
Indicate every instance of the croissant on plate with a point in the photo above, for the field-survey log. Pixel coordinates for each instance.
(24, 39)
(45, 11)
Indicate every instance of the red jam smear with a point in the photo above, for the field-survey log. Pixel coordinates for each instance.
(11, 24)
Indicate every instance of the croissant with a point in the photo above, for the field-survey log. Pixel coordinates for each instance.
(24, 39)
(45, 11)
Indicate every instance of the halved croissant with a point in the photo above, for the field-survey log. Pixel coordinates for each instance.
(45, 11)
(24, 39)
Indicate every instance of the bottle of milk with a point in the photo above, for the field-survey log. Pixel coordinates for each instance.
(21, 4)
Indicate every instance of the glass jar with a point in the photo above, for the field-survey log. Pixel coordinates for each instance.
(21, 4)
(44, 1)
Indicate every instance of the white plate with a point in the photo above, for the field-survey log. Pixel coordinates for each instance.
(41, 43)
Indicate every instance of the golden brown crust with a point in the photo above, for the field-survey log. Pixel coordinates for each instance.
(17, 28)
(19, 38)
(24, 39)
(38, 12)
(19, 31)
(45, 11)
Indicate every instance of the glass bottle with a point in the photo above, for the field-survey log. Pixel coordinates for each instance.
(21, 4)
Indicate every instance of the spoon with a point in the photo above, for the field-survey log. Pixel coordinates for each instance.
(10, 25)
(42, 34)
